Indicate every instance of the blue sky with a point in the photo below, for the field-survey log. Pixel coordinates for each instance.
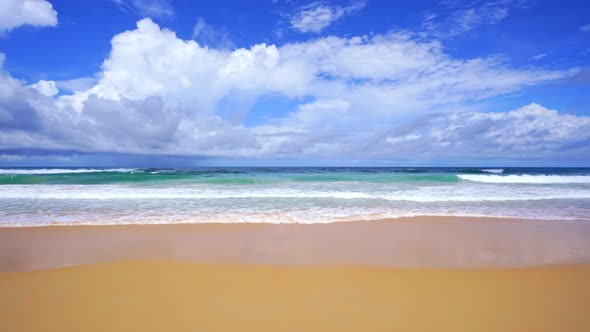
(294, 82)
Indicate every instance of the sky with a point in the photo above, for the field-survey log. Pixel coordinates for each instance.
(294, 83)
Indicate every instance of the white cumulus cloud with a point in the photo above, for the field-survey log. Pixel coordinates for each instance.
(15, 13)
(46, 88)
(355, 97)
(532, 131)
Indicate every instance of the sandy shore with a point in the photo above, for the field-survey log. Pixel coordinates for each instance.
(408, 242)
(415, 274)
(174, 296)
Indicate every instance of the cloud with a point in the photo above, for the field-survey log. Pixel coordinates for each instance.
(210, 36)
(582, 76)
(585, 28)
(11, 157)
(532, 131)
(456, 18)
(46, 88)
(15, 13)
(147, 8)
(539, 56)
(317, 16)
(323, 105)
(20, 106)
(159, 94)
(76, 84)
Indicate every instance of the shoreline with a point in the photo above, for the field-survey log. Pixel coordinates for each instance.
(420, 218)
(416, 242)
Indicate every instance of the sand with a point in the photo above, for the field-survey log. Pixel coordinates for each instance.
(423, 274)
(175, 296)
(457, 243)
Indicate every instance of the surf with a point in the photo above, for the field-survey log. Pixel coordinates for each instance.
(526, 179)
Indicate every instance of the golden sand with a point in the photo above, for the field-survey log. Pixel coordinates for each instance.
(413, 274)
(176, 296)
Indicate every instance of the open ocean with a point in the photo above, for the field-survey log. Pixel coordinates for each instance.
(31, 196)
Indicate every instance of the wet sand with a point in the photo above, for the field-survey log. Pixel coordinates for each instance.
(425, 242)
(415, 274)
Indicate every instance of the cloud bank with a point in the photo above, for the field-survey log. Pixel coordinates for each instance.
(355, 97)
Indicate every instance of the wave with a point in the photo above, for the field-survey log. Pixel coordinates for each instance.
(18, 171)
(526, 179)
(493, 170)
(106, 192)
(403, 177)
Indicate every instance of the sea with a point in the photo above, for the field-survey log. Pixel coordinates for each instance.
(47, 196)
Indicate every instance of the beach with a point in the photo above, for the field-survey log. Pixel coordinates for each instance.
(294, 166)
(420, 242)
(412, 274)
(295, 249)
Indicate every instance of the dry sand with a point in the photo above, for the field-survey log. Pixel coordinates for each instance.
(175, 296)
(423, 274)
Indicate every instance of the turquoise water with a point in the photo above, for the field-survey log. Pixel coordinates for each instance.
(245, 177)
(40, 196)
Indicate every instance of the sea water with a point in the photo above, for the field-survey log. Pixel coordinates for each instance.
(35, 196)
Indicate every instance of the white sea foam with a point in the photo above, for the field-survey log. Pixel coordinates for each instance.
(18, 171)
(424, 195)
(493, 170)
(530, 179)
(533, 197)
(166, 214)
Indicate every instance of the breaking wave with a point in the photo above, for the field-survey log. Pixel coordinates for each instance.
(18, 171)
(493, 170)
(529, 179)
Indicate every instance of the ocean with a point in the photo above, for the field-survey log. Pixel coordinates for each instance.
(35, 196)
